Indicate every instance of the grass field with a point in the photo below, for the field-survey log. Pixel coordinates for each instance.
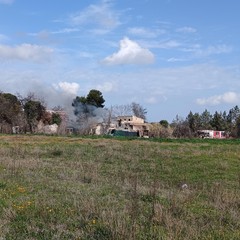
(80, 188)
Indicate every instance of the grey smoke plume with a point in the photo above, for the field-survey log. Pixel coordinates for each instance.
(79, 116)
(88, 116)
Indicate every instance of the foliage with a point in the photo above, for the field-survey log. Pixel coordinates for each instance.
(181, 128)
(46, 117)
(88, 110)
(193, 121)
(56, 118)
(217, 121)
(220, 121)
(164, 123)
(34, 111)
(10, 108)
(26, 112)
(51, 118)
(158, 130)
(94, 98)
(23, 113)
(205, 120)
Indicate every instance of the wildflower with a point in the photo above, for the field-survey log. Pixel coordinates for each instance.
(19, 207)
(21, 189)
(50, 210)
(93, 221)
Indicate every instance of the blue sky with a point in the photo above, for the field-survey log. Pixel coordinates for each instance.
(170, 56)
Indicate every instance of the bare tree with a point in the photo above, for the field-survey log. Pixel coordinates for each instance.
(181, 128)
(138, 110)
(121, 110)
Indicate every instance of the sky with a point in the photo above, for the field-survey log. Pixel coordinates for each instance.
(170, 56)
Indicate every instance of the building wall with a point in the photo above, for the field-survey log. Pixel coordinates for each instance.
(213, 133)
(130, 119)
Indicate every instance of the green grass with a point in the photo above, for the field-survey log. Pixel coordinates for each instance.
(55, 187)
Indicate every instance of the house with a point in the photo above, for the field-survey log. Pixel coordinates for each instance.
(123, 126)
(211, 134)
(132, 124)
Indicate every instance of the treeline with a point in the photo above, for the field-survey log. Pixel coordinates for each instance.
(27, 112)
(220, 121)
(24, 113)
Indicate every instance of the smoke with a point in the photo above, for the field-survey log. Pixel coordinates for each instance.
(88, 116)
(79, 116)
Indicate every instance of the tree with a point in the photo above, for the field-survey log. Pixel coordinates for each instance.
(160, 129)
(233, 120)
(181, 128)
(10, 110)
(233, 115)
(164, 123)
(238, 127)
(205, 120)
(56, 118)
(138, 110)
(121, 110)
(86, 105)
(89, 110)
(94, 98)
(217, 122)
(225, 125)
(129, 109)
(34, 111)
(193, 121)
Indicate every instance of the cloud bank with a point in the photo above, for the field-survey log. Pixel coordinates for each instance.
(228, 97)
(130, 52)
(143, 32)
(25, 52)
(99, 16)
(67, 87)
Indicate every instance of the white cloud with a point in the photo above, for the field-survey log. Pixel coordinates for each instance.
(186, 30)
(151, 100)
(26, 52)
(6, 1)
(228, 97)
(66, 30)
(67, 87)
(176, 59)
(130, 52)
(143, 32)
(168, 44)
(106, 87)
(211, 50)
(101, 15)
(83, 54)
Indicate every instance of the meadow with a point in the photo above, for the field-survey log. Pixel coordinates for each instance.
(54, 187)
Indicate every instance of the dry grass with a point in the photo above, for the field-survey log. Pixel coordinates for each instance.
(75, 188)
